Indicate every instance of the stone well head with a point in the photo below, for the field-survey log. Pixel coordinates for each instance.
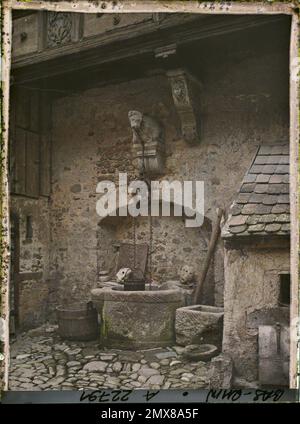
(137, 319)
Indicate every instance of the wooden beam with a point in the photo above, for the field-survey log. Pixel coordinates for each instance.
(101, 50)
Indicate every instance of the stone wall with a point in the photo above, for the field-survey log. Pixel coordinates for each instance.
(30, 269)
(252, 283)
(244, 103)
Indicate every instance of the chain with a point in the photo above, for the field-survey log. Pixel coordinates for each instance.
(150, 247)
(143, 178)
(134, 242)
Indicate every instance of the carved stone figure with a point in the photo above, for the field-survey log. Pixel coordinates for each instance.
(148, 142)
(186, 274)
(123, 274)
(186, 95)
(180, 91)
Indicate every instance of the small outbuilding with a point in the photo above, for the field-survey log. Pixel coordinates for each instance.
(257, 264)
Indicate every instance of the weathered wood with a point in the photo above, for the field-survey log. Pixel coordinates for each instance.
(96, 25)
(19, 166)
(32, 164)
(22, 108)
(25, 35)
(210, 252)
(130, 42)
(45, 165)
(34, 110)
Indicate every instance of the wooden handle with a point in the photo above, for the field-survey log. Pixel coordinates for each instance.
(216, 230)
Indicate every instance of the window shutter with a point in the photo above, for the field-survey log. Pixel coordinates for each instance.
(19, 166)
(45, 166)
(32, 164)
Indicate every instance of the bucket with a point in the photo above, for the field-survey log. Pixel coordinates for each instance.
(78, 321)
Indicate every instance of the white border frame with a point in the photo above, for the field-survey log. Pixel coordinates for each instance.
(154, 6)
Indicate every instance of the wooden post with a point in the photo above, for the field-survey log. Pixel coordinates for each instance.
(211, 249)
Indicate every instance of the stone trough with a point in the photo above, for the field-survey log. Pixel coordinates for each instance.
(137, 319)
(199, 324)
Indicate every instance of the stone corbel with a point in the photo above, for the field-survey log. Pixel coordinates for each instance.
(186, 96)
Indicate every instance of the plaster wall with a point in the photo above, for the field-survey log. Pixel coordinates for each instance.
(251, 283)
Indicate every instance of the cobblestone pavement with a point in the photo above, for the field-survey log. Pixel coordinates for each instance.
(41, 360)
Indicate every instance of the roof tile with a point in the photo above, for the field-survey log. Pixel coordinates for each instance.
(265, 150)
(236, 209)
(272, 228)
(277, 188)
(276, 179)
(256, 198)
(249, 209)
(238, 220)
(261, 188)
(263, 209)
(282, 217)
(256, 228)
(238, 229)
(270, 200)
(280, 208)
(263, 178)
(247, 188)
(282, 169)
(243, 197)
(283, 198)
(257, 169)
(269, 169)
(249, 178)
(262, 205)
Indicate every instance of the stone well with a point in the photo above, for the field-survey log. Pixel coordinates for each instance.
(199, 324)
(137, 319)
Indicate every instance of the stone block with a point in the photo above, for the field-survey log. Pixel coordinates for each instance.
(137, 319)
(199, 324)
(222, 372)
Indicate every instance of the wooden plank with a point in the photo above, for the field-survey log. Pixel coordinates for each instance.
(34, 111)
(32, 164)
(45, 161)
(196, 27)
(22, 108)
(12, 140)
(25, 35)
(19, 166)
(45, 112)
(96, 24)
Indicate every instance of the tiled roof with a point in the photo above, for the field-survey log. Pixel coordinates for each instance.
(262, 205)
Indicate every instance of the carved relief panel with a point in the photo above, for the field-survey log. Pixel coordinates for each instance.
(59, 28)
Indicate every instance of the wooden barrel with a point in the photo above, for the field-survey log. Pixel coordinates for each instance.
(78, 321)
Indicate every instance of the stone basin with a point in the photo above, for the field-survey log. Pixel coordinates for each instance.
(202, 352)
(199, 324)
(137, 319)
